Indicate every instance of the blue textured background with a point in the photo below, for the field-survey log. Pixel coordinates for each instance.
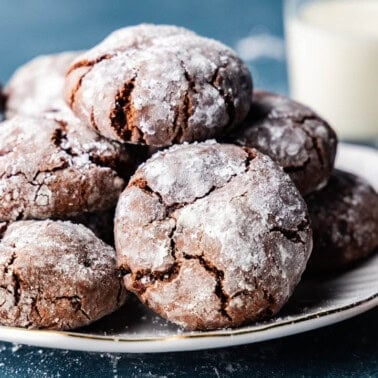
(32, 27)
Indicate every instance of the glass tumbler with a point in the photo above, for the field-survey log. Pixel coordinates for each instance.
(332, 54)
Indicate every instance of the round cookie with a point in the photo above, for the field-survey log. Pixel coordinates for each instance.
(211, 235)
(293, 136)
(159, 85)
(37, 86)
(56, 275)
(51, 169)
(344, 217)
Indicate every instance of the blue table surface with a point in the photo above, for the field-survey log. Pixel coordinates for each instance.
(32, 27)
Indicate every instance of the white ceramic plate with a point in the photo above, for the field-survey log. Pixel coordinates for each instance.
(316, 302)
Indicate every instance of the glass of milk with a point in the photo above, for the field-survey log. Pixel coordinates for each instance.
(332, 51)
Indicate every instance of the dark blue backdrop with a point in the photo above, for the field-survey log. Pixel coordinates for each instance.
(32, 27)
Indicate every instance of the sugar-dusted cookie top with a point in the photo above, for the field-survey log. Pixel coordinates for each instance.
(52, 168)
(212, 235)
(292, 135)
(159, 85)
(37, 86)
(56, 275)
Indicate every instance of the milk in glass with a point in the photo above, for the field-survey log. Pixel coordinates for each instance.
(333, 62)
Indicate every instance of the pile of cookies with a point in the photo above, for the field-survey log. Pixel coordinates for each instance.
(220, 194)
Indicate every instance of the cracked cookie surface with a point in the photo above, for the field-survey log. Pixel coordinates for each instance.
(344, 217)
(37, 86)
(159, 85)
(212, 235)
(56, 275)
(293, 136)
(58, 169)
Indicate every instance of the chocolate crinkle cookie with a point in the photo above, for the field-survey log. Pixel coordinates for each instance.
(344, 217)
(292, 135)
(56, 275)
(37, 86)
(211, 235)
(54, 169)
(159, 85)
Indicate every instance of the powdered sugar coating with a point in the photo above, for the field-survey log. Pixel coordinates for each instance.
(37, 86)
(159, 85)
(344, 217)
(50, 168)
(212, 235)
(292, 135)
(56, 275)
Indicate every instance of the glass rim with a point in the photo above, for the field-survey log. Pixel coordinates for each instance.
(290, 12)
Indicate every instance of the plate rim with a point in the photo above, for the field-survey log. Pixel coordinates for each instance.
(188, 341)
(226, 332)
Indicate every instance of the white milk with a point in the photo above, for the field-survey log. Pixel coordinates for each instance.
(333, 63)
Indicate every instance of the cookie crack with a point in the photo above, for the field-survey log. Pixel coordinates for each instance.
(16, 280)
(6, 175)
(93, 120)
(16, 288)
(299, 122)
(88, 63)
(179, 125)
(3, 228)
(143, 279)
(75, 302)
(215, 82)
(218, 274)
(142, 184)
(59, 138)
(84, 63)
(121, 116)
(4, 301)
(10, 262)
(34, 308)
(250, 156)
(292, 235)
